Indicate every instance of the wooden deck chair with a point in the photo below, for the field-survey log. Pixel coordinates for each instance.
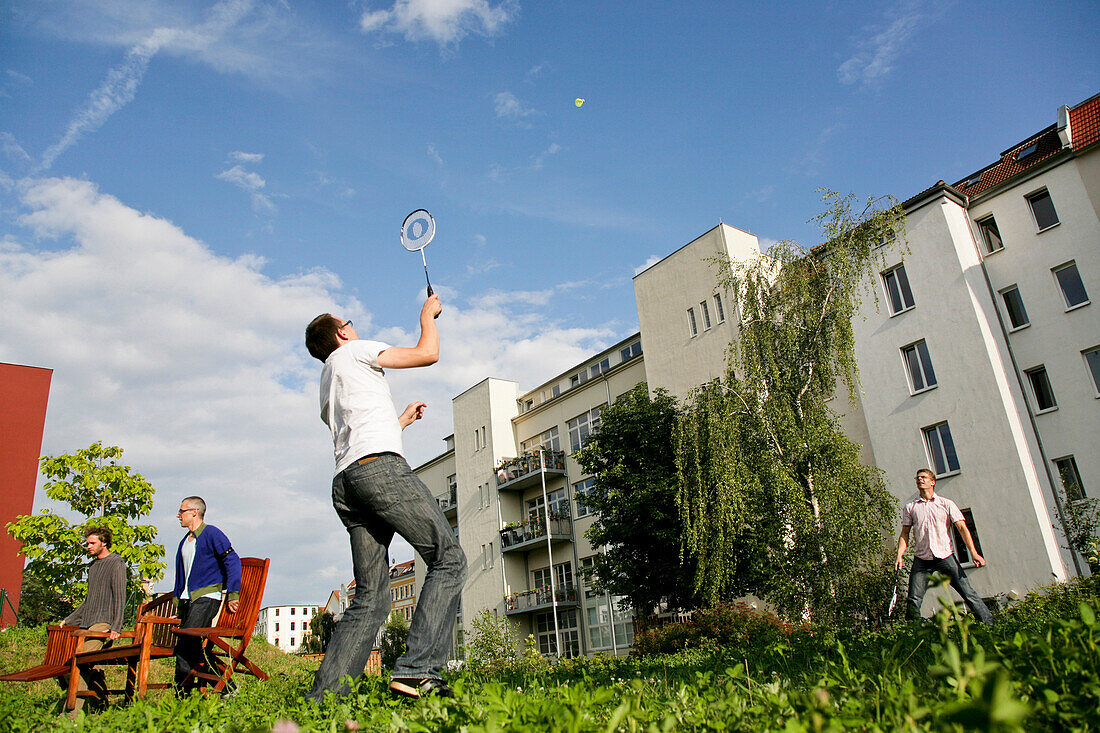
(60, 647)
(225, 643)
(152, 638)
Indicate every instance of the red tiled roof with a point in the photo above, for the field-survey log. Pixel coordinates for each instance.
(1084, 125)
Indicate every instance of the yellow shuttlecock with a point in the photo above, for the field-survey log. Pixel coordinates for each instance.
(578, 101)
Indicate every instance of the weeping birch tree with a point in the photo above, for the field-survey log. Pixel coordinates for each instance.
(772, 495)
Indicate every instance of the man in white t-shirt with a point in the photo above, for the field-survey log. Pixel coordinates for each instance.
(376, 495)
(927, 520)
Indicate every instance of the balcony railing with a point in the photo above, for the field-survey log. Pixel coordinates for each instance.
(534, 530)
(539, 598)
(448, 503)
(516, 474)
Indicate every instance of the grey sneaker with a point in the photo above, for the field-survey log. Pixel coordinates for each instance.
(410, 687)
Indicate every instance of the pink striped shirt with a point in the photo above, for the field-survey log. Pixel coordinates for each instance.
(931, 522)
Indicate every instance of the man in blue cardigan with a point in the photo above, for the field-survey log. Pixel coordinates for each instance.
(207, 569)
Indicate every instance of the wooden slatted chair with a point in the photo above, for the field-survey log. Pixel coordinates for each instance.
(152, 639)
(60, 647)
(225, 643)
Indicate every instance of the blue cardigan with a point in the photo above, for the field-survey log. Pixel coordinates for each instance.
(215, 569)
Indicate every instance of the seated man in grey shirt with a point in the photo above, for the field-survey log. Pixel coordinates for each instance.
(101, 610)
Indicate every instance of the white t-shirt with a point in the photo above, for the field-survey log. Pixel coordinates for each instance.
(356, 403)
(187, 553)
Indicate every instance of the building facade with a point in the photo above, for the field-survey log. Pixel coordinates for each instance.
(979, 358)
(285, 627)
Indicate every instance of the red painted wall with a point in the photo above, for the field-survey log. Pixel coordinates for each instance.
(23, 394)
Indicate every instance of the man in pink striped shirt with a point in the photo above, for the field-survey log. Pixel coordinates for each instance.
(929, 518)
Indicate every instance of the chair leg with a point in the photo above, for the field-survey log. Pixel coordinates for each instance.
(131, 679)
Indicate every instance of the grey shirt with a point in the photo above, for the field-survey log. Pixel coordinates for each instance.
(106, 595)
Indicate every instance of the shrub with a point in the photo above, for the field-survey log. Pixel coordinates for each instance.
(492, 642)
(395, 634)
(734, 626)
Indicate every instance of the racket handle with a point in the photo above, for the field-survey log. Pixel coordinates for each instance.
(430, 294)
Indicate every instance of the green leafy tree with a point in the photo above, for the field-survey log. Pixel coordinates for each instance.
(395, 634)
(772, 494)
(321, 627)
(633, 497)
(491, 642)
(97, 486)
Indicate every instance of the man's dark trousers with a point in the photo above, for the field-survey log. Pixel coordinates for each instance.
(193, 615)
(949, 566)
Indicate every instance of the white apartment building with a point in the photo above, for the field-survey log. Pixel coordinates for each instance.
(979, 359)
(285, 626)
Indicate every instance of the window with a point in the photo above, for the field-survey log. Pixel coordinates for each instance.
(1071, 477)
(600, 368)
(941, 449)
(559, 505)
(276, 641)
(292, 626)
(1014, 306)
(991, 235)
(1073, 289)
(889, 238)
(897, 289)
(719, 311)
(705, 311)
(1042, 208)
(480, 440)
(546, 441)
(919, 366)
(579, 490)
(567, 626)
(961, 550)
(276, 625)
(629, 352)
(292, 641)
(563, 577)
(1041, 389)
(582, 426)
(693, 327)
(292, 612)
(1027, 150)
(484, 496)
(1092, 363)
(276, 612)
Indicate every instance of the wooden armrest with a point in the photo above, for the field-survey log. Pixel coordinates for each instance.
(105, 634)
(159, 620)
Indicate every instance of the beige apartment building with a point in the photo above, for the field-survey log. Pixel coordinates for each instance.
(980, 358)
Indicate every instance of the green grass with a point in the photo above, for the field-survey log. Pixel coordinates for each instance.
(1035, 671)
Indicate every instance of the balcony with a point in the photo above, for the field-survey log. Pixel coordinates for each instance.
(531, 533)
(518, 474)
(539, 599)
(449, 504)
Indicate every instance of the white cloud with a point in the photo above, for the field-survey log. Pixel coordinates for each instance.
(249, 181)
(443, 21)
(535, 72)
(538, 161)
(650, 262)
(193, 362)
(877, 54)
(510, 107)
(121, 84)
(241, 157)
(434, 155)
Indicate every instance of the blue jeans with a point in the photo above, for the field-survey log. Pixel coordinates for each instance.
(374, 500)
(949, 566)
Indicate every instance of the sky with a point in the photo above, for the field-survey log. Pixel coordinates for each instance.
(185, 185)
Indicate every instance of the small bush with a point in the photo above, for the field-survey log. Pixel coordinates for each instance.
(734, 626)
